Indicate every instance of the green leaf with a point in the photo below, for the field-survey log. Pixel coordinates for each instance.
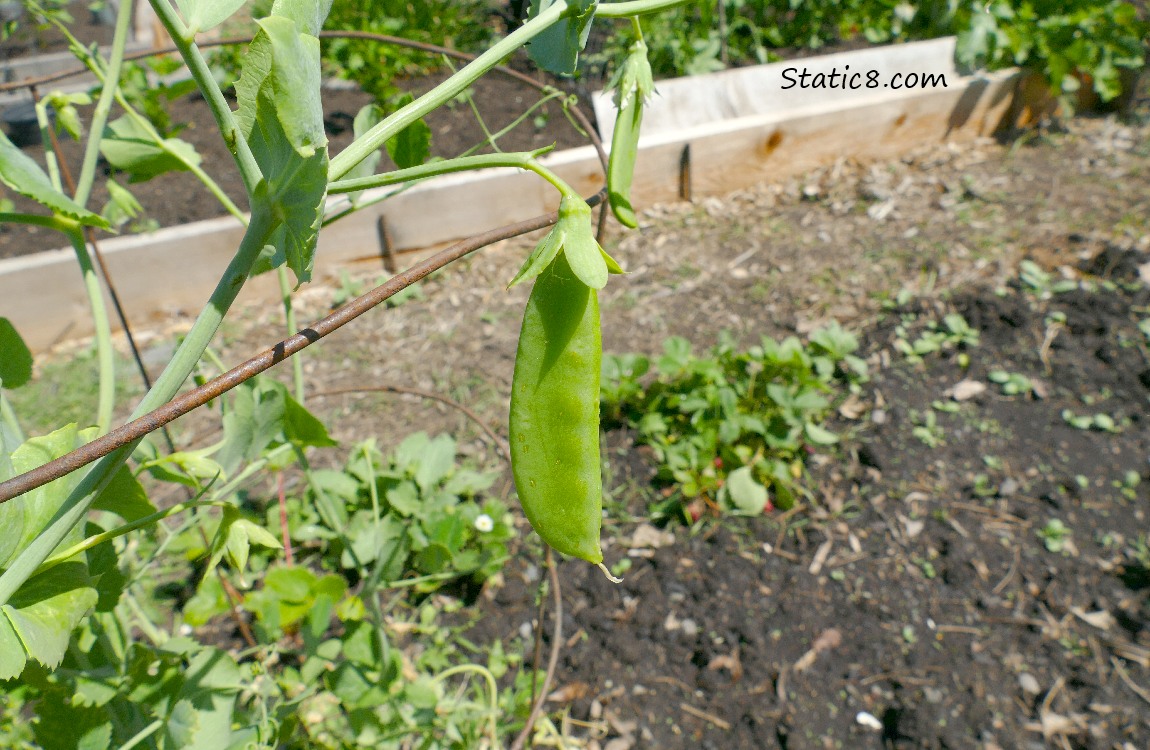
(23, 175)
(12, 657)
(212, 680)
(436, 463)
(124, 496)
(301, 426)
(128, 146)
(254, 421)
(556, 50)
(122, 206)
(281, 116)
(308, 15)
(43, 612)
(747, 495)
(820, 436)
(15, 358)
(583, 254)
(540, 257)
(202, 15)
(368, 117)
(411, 146)
(24, 517)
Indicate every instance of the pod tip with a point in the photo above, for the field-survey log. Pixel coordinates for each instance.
(607, 573)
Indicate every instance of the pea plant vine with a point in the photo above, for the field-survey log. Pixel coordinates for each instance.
(70, 500)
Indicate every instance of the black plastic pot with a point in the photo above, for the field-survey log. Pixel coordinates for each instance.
(20, 121)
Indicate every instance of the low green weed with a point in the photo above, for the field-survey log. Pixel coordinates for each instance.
(731, 430)
(953, 333)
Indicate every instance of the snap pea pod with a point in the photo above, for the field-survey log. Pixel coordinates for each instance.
(554, 424)
(635, 84)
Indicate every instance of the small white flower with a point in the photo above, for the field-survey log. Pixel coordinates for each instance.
(484, 524)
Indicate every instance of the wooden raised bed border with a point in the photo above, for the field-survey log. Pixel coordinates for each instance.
(173, 270)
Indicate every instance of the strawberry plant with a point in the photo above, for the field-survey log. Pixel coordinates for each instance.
(731, 430)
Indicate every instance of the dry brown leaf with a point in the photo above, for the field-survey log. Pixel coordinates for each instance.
(647, 535)
(964, 390)
(572, 691)
(829, 639)
(729, 662)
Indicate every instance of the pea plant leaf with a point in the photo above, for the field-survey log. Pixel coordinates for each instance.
(264, 414)
(367, 118)
(24, 517)
(15, 358)
(128, 146)
(42, 614)
(281, 116)
(556, 50)
(20, 173)
(202, 15)
(411, 146)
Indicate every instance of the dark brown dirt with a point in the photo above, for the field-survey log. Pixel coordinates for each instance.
(927, 594)
(455, 128)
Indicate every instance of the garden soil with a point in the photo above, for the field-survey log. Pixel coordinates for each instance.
(975, 579)
(176, 198)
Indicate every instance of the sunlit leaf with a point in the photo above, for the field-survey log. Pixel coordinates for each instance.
(202, 15)
(556, 50)
(129, 147)
(23, 175)
(15, 357)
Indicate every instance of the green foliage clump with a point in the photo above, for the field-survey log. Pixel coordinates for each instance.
(377, 67)
(733, 429)
(1072, 43)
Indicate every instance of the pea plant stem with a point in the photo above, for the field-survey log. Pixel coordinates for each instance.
(202, 74)
(636, 8)
(50, 222)
(290, 323)
(373, 139)
(104, 103)
(110, 534)
(155, 411)
(521, 159)
(105, 356)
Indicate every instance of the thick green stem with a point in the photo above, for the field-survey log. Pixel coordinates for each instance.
(636, 8)
(8, 417)
(104, 103)
(51, 222)
(194, 59)
(521, 160)
(183, 363)
(290, 324)
(111, 534)
(49, 153)
(441, 94)
(105, 355)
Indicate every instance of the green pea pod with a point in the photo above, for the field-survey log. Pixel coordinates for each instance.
(554, 424)
(635, 84)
